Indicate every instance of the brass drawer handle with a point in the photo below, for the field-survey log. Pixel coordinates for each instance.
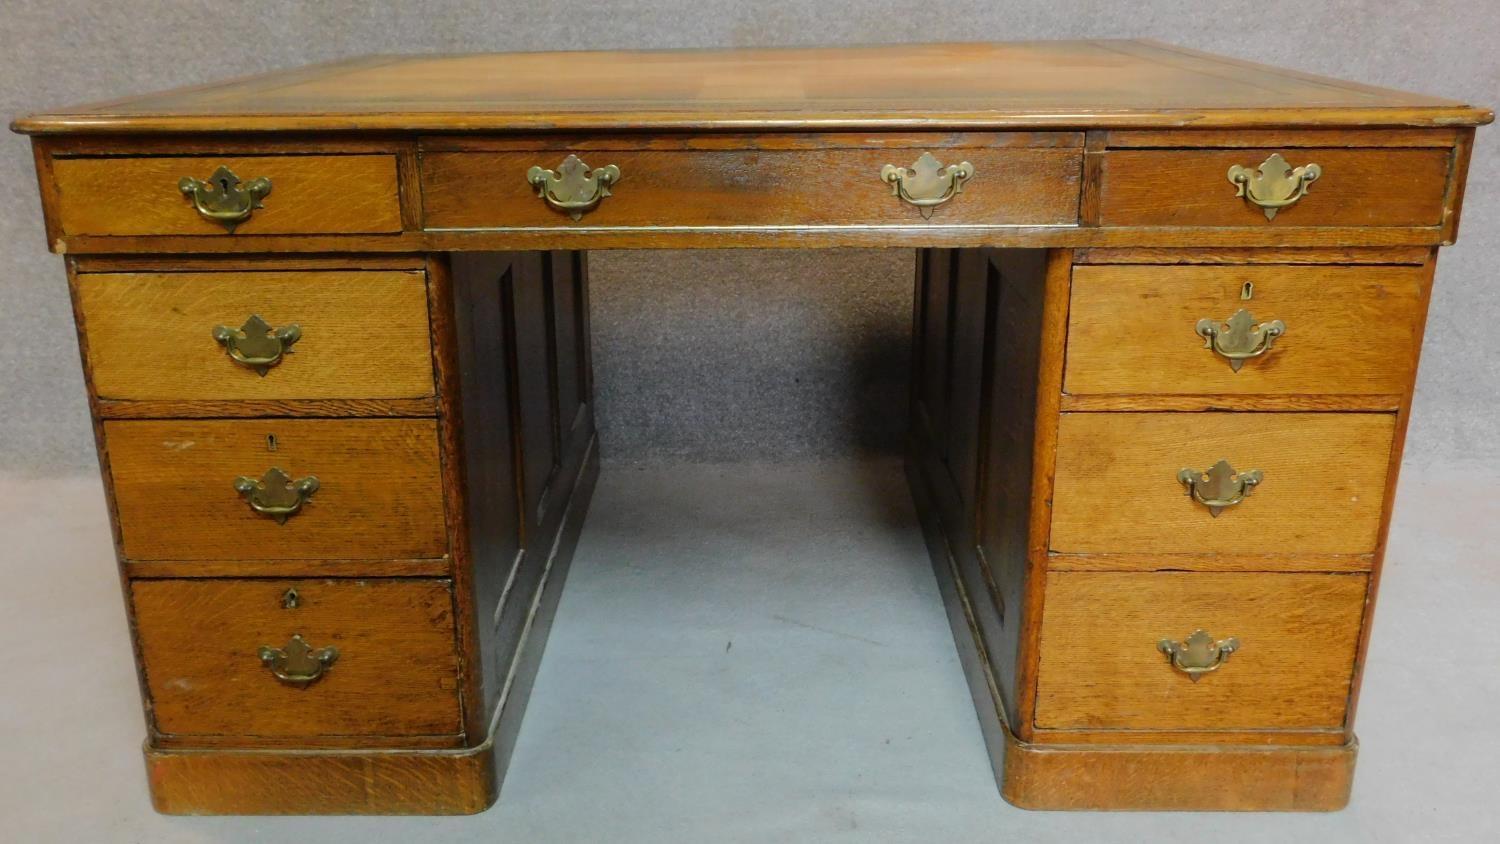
(1221, 486)
(298, 664)
(573, 188)
(224, 198)
(1199, 654)
(256, 344)
(276, 495)
(1239, 338)
(1273, 185)
(927, 183)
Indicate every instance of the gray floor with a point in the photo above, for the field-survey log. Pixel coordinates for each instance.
(752, 653)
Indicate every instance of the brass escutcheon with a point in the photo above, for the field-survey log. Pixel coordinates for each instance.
(927, 183)
(276, 495)
(224, 198)
(1273, 185)
(573, 188)
(1221, 486)
(256, 344)
(1199, 654)
(297, 664)
(1239, 338)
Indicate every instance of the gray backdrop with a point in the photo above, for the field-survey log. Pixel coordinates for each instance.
(797, 355)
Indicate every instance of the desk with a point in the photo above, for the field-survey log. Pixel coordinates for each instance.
(1168, 310)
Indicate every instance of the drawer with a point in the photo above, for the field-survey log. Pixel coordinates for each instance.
(1191, 187)
(764, 186)
(1101, 665)
(1117, 486)
(177, 495)
(394, 673)
(1345, 330)
(359, 335)
(309, 194)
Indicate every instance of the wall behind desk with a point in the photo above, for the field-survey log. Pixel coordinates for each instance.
(796, 355)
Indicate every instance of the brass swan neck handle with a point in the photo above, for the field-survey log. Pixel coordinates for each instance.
(1274, 184)
(256, 344)
(1199, 654)
(927, 183)
(224, 198)
(298, 664)
(573, 188)
(1240, 337)
(1221, 486)
(276, 495)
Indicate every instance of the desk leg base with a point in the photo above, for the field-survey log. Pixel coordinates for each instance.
(1210, 778)
(285, 782)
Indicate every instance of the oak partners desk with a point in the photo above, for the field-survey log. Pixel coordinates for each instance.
(334, 323)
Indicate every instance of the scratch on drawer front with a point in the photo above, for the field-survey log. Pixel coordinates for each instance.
(178, 445)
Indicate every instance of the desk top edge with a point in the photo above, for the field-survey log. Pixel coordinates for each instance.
(968, 86)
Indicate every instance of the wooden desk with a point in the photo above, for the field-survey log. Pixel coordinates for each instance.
(1168, 309)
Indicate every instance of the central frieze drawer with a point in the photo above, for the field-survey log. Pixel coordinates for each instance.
(208, 490)
(1320, 483)
(1023, 179)
(319, 335)
(369, 658)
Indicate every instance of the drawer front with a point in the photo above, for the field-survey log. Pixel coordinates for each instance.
(309, 194)
(1117, 487)
(752, 187)
(395, 671)
(1102, 665)
(184, 336)
(1343, 330)
(1358, 187)
(177, 493)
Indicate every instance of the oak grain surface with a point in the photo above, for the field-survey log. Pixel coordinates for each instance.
(1322, 493)
(1100, 668)
(396, 672)
(1349, 330)
(364, 334)
(1359, 187)
(241, 782)
(317, 194)
(1043, 83)
(380, 495)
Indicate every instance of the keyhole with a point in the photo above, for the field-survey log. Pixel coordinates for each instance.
(224, 185)
(270, 442)
(1247, 291)
(290, 600)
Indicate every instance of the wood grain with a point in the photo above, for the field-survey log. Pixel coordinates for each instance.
(563, 233)
(751, 187)
(310, 194)
(364, 334)
(380, 782)
(380, 495)
(1099, 666)
(1117, 488)
(1207, 778)
(1264, 255)
(1286, 137)
(974, 85)
(1350, 330)
(396, 673)
(1361, 187)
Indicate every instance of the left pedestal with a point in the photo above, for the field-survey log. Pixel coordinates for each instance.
(344, 491)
